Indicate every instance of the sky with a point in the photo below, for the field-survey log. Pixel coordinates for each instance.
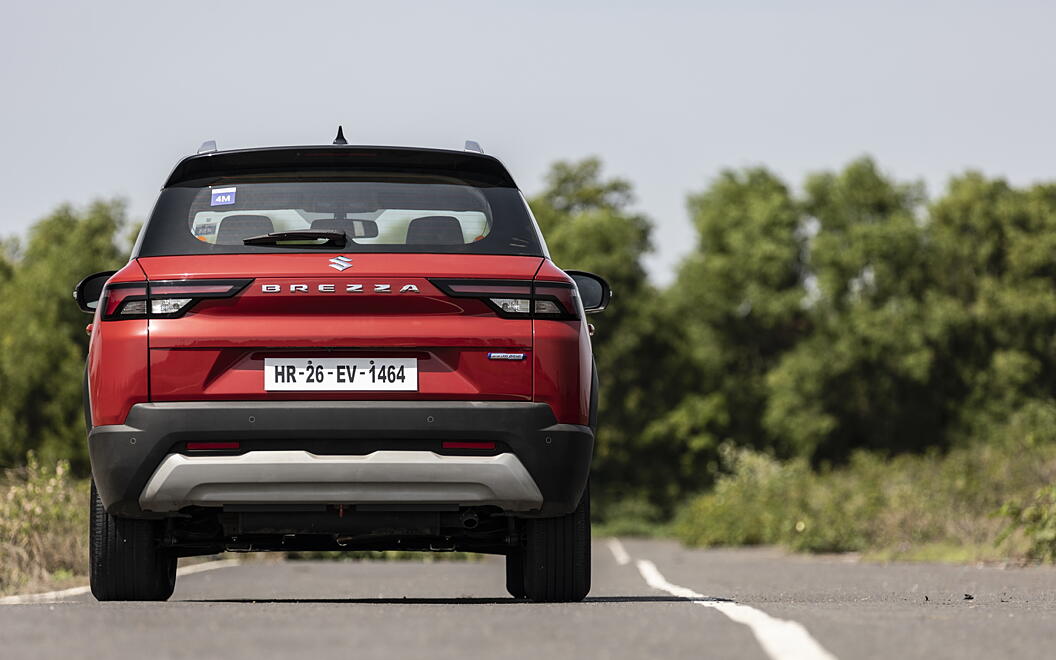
(101, 99)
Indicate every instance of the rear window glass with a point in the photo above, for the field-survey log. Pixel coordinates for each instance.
(420, 215)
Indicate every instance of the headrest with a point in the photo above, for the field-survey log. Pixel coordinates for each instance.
(435, 230)
(234, 228)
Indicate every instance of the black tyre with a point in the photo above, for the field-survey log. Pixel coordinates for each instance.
(515, 573)
(125, 560)
(557, 556)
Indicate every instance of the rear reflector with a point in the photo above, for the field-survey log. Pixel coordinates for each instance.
(469, 288)
(468, 445)
(207, 446)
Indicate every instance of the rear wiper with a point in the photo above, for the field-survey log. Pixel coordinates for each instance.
(333, 238)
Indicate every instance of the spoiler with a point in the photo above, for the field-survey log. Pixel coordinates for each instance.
(472, 166)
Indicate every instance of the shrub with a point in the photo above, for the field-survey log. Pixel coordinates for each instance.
(899, 507)
(745, 507)
(630, 516)
(1035, 517)
(43, 524)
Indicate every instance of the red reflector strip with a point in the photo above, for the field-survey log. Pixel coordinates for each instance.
(189, 289)
(468, 445)
(205, 446)
(492, 289)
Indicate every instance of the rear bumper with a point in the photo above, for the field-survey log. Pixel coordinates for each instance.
(345, 449)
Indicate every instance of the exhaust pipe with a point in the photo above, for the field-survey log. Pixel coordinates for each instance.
(470, 520)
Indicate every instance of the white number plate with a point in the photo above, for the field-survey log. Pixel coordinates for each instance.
(351, 374)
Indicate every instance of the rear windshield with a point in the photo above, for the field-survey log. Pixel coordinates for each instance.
(379, 214)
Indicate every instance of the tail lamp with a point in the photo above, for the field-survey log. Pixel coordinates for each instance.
(162, 300)
(518, 298)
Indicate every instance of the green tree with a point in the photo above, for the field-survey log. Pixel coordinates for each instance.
(994, 304)
(862, 378)
(589, 225)
(931, 325)
(42, 338)
(739, 299)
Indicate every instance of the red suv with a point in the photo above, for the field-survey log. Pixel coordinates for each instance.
(340, 348)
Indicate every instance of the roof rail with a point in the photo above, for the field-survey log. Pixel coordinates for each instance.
(207, 146)
(473, 145)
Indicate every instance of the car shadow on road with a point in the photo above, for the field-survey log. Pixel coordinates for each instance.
(446, 601)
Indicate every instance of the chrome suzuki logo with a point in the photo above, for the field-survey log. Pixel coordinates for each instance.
(341, 263)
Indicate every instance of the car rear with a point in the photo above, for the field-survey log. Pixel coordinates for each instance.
(342, 348)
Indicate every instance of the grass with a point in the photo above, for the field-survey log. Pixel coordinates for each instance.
(959, 506)
(950, 553)
(43, 527)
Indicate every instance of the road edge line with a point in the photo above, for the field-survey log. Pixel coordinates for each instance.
(781, 639)
(54, 596)
(619, 553)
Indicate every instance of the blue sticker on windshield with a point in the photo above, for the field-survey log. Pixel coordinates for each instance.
(222, 197)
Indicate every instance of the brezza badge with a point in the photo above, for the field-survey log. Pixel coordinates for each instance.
(334, 288)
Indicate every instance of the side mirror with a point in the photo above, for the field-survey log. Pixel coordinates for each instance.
(594, 291)
(90, 289)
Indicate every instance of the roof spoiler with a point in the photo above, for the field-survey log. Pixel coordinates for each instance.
(473, 166)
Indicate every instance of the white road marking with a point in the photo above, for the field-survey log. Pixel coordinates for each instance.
(780, 639)
(46, 597)
(618, 551)
(206, 566)
(53, 596)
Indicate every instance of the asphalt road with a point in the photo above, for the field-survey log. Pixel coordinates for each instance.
(650, 599)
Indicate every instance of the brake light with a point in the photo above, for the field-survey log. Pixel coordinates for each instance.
(163, 300)
(518, 299)
(211, 446)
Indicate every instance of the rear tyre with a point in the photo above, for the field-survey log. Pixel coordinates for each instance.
(515, 573)
(557, 556)
(124, 558)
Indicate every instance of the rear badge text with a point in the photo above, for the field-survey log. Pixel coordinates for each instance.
(506, 356)
(333, 288)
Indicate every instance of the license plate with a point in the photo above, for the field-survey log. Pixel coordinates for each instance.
(341, 374)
